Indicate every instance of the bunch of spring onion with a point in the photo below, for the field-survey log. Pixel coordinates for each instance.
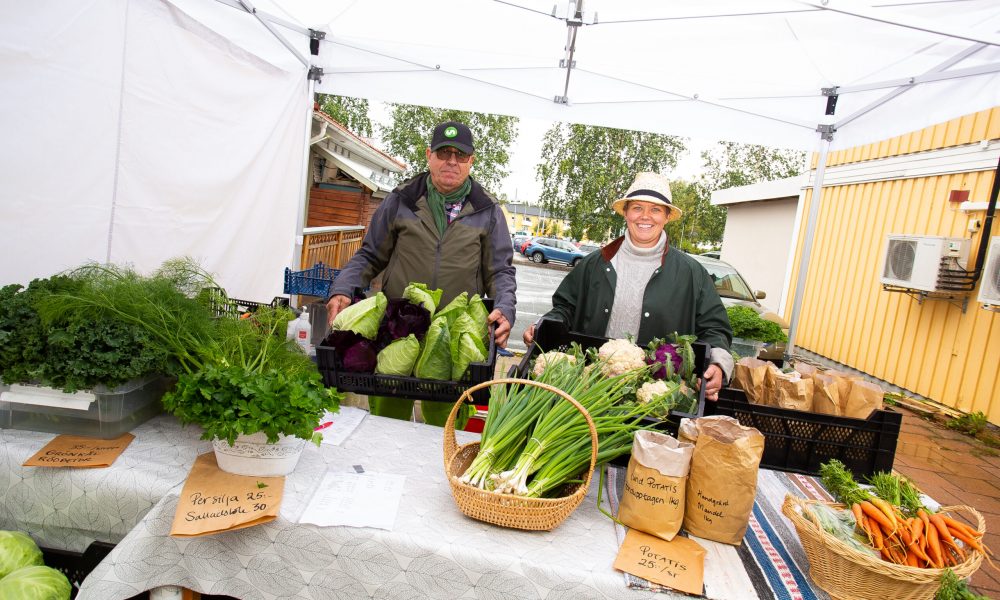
(534, 442)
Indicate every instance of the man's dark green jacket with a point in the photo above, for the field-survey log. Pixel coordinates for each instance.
(680, 297)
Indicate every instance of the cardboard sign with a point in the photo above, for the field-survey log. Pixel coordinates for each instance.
(678, 564)
(213, 500)
(80, 452)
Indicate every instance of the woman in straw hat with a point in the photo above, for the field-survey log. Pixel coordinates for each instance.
(638, 285)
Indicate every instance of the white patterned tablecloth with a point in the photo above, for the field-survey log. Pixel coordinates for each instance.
(433, 551)
(67, 509)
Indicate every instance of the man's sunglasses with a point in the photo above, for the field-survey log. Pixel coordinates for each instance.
(446, 153)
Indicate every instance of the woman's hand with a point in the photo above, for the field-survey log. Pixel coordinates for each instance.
(529, 335)
(713, 382)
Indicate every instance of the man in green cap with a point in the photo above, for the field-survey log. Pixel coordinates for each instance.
(441, 228)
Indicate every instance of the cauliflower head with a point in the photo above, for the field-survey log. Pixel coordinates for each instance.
(652, 390)
(544, 361)
(620, 356)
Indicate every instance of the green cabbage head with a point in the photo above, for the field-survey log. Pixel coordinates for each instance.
(17, 550)
(419, 293)
(399, 357)
(363, 317)
(35, 583)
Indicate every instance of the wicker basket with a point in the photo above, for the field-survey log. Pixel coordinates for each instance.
(508, 510)
(845, 573)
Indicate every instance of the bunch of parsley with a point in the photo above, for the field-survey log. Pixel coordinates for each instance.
(747, 324)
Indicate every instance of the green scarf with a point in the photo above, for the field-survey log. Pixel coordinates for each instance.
(437, 200)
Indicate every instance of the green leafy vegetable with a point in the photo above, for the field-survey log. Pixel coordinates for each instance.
(399, 357)
(435, 359)
(364, 317)
(480, 315)
(229, 401)
(840, 483)
(456, 307)
(35, 583)
(418, 293)
(953, 588)
(747, 324)
(466, 346)
(17, 550)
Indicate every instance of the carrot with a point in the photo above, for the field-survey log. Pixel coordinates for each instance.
(875, 535)
(944, 535)
(960, 525)
(878, 516)
(934, 547)
(886, 508)
(911, 560)
(963, 535)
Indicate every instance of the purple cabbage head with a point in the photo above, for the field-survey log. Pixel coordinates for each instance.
(401, 319)
(665, 352)
(361, 357)
(352, 351)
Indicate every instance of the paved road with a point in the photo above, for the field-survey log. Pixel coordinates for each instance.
(535, 285)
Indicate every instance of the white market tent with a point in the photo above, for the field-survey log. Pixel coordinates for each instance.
(137, 130)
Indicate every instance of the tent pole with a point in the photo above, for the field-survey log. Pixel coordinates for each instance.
(800, 284)
(300, 219)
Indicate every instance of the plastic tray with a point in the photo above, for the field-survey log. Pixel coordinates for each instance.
(413, 388)
(107, 414)
(314, 281)
(746, 348)
(551, 335)
(799, 441)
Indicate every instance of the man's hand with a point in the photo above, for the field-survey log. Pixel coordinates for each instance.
(713, 382)
(529, 335)
(335, 305)
(502, 331)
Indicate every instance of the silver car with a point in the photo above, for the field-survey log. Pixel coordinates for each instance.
(734, 290)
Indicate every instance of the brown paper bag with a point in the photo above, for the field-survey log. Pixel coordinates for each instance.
(826, 395)
(863, 398)
(213, 500)
(805, 369)
(793, 392)
(723, 480)
(748, 375)
(771, 377)
(655, 484)
(843, 382)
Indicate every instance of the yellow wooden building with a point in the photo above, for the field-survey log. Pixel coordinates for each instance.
(932, 182)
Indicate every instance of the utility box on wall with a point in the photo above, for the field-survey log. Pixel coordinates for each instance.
(915, 261)
(989, 289)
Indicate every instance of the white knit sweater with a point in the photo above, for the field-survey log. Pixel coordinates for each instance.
(633, 268)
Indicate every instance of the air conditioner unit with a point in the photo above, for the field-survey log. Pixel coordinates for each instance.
(915, 261)
(989, 288)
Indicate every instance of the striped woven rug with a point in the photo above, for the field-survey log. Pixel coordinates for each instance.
(770, 563)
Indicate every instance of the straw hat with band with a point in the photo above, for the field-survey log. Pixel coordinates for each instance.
(649, 187)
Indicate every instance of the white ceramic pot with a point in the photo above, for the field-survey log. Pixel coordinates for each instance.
(252, 455)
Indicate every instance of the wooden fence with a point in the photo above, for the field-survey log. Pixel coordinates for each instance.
(333, 246)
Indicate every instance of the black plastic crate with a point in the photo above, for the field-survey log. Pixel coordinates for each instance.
(224, 306)
(76, 565)
(551, 335)
(413, 388)
(799, 441)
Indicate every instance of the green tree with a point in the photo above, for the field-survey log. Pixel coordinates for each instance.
(410, 132)
(730, 164)
(348, 111)
(702, 223)
(583, 169)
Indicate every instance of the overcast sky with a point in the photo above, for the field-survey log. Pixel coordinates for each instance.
(521, 184)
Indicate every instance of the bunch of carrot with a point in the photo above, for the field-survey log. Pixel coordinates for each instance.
(922, 539)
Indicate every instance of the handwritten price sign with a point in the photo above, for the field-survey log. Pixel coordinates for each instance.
(213, 500)
(80, 452)
(678, 564)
